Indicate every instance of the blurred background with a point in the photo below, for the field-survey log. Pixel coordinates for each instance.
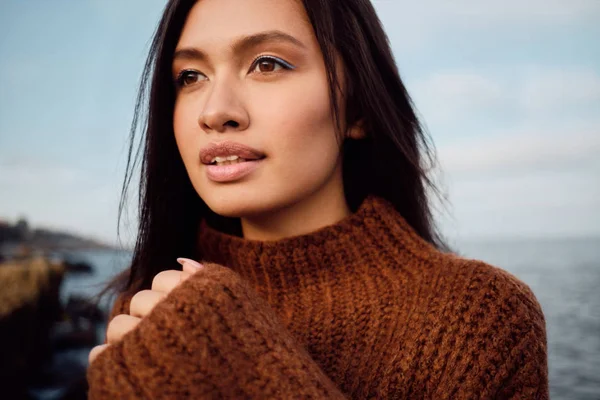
(508, 91)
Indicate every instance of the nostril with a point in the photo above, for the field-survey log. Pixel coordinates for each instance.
(232, 124)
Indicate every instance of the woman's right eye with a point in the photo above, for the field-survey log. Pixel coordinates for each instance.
(188, 77)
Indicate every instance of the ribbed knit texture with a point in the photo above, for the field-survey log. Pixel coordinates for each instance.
(361, 309)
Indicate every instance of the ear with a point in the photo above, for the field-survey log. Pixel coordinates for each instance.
(357, 130)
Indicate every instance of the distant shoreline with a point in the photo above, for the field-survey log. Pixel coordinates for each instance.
(20, 237)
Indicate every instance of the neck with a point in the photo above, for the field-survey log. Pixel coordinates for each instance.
(374, 232)
(308, 215)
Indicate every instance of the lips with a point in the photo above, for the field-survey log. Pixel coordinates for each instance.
(228, 148)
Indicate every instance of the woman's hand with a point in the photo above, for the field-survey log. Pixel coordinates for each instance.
(143, 302)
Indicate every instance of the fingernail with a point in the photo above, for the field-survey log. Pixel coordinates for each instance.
(189, 262)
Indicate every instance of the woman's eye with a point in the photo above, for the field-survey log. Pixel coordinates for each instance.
(266, 65)
(188, 77)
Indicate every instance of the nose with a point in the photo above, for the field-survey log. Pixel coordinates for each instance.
(223, 111)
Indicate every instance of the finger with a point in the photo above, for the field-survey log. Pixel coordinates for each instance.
(119, 326)
(96, 351)
(189, 265)
(165, 281)
(184, 275)
(144, 301)
(189, 268)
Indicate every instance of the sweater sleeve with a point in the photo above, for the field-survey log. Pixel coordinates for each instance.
(524, 372)
(211, 337)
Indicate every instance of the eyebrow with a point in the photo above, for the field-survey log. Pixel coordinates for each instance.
(241, 45)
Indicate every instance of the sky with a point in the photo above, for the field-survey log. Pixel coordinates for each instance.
(509, 93)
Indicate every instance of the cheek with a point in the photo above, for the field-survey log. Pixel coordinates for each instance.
(184, 125)
(303, 126)
(308, 136)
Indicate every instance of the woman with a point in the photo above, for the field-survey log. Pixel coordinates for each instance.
(282, 152)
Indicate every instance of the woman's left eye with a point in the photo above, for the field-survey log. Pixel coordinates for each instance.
(269, 64)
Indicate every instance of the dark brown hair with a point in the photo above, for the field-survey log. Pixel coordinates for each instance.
(391, 162)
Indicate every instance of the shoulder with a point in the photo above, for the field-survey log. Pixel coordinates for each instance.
(470, 295)
(494, 321)
(481, 284)
(469, 279)
(496, 284)
(488, 305)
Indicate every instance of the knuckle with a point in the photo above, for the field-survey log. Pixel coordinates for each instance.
(115, 325)
(96, 351)
(144, 301)
(165, 281)
(161, 277)
(114, 322)
(138, 298)
(119, 326)
(119, 320)
(92, 354)
(135, 303)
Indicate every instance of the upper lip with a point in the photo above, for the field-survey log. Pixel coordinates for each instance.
(228, 148)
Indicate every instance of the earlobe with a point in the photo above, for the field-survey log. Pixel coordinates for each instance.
(356, 131)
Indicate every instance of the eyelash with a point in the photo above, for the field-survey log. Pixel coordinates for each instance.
(179, 80)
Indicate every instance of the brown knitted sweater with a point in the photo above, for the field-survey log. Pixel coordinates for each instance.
(361, 309)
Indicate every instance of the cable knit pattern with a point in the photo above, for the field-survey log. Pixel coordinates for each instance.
(361, 309)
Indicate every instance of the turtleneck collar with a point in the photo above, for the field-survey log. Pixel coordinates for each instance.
(375, 231)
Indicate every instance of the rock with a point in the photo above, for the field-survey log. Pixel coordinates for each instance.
(29, 305)
(82, 308)
(78, 267)
(78, 329)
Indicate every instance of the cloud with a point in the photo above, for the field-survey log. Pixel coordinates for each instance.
(417, 25)
(21, 174)
(523, 150)
(485, 12)
(551, 204)
(529, 181)
(528, 191)
(517, 10)
(446, 96)
(525, 92)
(553, 89)
(116, 11)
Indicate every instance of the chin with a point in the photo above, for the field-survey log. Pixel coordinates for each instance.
(238, 205)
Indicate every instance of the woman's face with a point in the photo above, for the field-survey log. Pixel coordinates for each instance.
(251, 73)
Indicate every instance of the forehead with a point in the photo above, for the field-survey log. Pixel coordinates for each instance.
(214, 22)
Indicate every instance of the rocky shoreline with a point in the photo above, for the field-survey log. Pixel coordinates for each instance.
(35, 325)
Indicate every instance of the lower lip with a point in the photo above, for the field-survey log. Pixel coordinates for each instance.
(231, 172)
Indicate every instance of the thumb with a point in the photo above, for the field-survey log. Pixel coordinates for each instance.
(189, 266)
